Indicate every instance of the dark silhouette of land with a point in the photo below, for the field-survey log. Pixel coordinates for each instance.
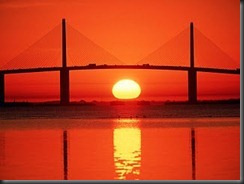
(119, 102)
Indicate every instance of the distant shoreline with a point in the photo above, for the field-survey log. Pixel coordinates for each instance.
(119, 103)
(131, 110)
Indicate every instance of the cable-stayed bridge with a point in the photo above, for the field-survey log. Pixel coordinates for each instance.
(65, 49)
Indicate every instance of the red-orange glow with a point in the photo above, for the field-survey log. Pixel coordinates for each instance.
(123, 152)
(130, 30)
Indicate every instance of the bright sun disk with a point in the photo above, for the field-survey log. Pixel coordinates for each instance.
(126, 89)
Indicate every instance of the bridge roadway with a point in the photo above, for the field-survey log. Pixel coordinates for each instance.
(144, 66)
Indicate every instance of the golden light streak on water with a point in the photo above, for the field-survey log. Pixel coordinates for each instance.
(127, 151)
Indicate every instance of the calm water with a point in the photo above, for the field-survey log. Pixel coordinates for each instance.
(126, 143)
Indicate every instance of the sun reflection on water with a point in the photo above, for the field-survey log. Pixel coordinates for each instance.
(127, 151)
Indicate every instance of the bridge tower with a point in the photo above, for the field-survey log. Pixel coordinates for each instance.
(2, 91)
(192, 73)
(64, 71)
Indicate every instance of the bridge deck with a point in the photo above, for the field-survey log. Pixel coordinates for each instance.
(145, 66)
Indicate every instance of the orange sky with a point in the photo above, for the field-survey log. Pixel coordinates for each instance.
(128, 29)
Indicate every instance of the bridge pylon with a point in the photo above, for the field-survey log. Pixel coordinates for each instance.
(64, 86)
(192, 86)
(192, 73)
(2, 90)
(64, 72)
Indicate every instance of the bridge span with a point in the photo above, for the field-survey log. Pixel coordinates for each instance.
(140, 67)
(64, 71)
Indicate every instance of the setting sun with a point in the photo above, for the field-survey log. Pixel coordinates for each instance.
(126, 89)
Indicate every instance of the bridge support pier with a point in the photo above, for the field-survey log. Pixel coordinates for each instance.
(64, 72)
(64, 86)
(192, 86)
(192, 73)
(2, 90)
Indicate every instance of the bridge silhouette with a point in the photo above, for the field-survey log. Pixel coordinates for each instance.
(95, 55)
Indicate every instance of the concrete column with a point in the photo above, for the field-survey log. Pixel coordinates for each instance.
(64, 86)
(64, 72)
(192, 73)
(2, 90)
(192, 86)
